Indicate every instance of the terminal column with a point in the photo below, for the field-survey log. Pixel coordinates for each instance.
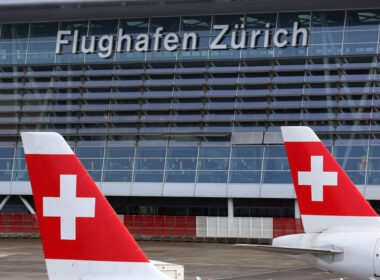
(230, 208)
(297, 213)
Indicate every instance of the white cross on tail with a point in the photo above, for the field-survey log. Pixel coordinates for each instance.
(68, 206)
(317, 178)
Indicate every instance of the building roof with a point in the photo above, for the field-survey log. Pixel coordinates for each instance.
(53, 10)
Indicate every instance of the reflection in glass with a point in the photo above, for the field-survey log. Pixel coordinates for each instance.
(180, 176)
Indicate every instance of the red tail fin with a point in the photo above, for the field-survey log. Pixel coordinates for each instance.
(327, 198)
(80, 231)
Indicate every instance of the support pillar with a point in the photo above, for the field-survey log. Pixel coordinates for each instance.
(4, 201)
(230, 208)
(27, 205)
(297, 213)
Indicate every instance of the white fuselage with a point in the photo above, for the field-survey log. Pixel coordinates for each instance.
(360, 258)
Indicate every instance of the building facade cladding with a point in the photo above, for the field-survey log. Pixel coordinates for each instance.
(159, 122)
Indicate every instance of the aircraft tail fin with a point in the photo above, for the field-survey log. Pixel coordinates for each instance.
(327, 198)
(82, 236)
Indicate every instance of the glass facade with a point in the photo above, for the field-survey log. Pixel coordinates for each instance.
(168, 116)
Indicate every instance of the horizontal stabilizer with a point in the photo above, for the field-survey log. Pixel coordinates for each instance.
(291, 250)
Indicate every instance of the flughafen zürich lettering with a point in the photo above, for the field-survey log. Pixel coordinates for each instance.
(240, 39)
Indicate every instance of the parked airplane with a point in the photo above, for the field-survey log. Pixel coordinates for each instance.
(82, 236)
(342, 231)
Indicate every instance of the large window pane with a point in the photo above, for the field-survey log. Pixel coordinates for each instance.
(20, 175)
(5, 175)
(198, 24)
(353, 164)
(213, 164)
(212, 177)
(181, 164)
(276, 164)
(20, 164)
(374, 151)
(7, 152)
(275, 151)
(357, 177)
(43, 31)
(134, 26)
(214, 152)
(368, 19)
(90, 152)
(286, 20)
(247, 151)
(117, 176)
(120, 152)
(350, 151)
(374, 164)
(277, 177)
(169, 24)
(327, 21)
(150, 164)
(119, 163)
(95, 175)
(245, 177)
(151, 152)
(20, 152)
(6, 164)
(180, 176)
(151, 176)
(373, 178)
(361, 37)
(103, 27)
(92, 164)
(246, 164)
(326, 38)
(14, 32)
(183, 152)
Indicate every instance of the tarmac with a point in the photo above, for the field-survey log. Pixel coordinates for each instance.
(23, 259)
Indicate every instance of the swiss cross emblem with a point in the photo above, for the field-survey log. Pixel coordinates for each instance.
(317, 178)
(68, 207)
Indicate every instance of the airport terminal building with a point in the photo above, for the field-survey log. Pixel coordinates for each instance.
(175, 107)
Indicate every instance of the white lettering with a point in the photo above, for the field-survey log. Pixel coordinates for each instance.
(120, 40)
(255, 35)
(171, 42)
(194, 41)
(277, 38)
(75, 41)
(243, 38)
(60, 40)
(83, 46)
(157, 36)
(266, 36)
(105, 46)
(215, 45)
(142, 44)
(299, 31)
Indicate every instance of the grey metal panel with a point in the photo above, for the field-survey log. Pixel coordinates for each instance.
(243, 190)
(360, 188)
(247, 138)
(146, 189)
(210, 190)
(5, 188)
(116, 188)
(21, 188)
(41, 10)
(273, 138)
(372, 192)
(179, 189)
(277, 191)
